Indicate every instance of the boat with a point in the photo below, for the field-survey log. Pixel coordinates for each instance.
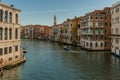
(24, 50)
(67, 48)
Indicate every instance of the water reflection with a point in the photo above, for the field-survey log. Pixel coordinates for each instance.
(49, 61)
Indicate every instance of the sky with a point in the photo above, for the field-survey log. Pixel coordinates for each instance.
(43, 11)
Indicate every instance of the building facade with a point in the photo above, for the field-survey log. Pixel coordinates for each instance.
(115, 28)
(95, 30)
(35, 32)
(80, 20)
(27, 31)
(67, 31)
(55, 33)
(10, 51)
(74, 31)
(60, 34)
(54, 30)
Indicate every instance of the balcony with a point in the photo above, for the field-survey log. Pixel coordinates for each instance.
(90, 33)
(117, 35)
(84, 33)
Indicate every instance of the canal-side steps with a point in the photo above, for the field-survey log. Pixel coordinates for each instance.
(11, 65)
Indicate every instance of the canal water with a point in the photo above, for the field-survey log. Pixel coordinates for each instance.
(49, 61)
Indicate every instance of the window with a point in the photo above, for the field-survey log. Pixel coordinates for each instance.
(16, 33)
(117, 10)
(111, 31)
(96, 24)
(1, 51)
(117, 30)
(105, 31)
(96, 44)
(16, 18)
(106, 24)
(16, 48)
(96, 37)
(102, 37)
(101, 24)
(90, 37)
(10, 58)
(117, 19)
(101, 31)
(10, 33)
(96, 17)
(91, 24)
(16, 56)
(91, 18)
(105, 44)
(78, 26)
(105, 38)
(10, 49)
(117, 41)
(6, 16)
(90, 44)
(112, 12)
(101, 44)
(10, 17)
(0, 33)
(5, 50)
(87, 44)
(1, 15)
(5, 33)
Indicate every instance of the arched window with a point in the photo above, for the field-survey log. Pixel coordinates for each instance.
(6, 16)
(5, 33)
(10, 33)
(1, 15)
(16, 18)
(10, 17)
(96, 44)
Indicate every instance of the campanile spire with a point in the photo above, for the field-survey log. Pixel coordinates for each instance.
(55, 21)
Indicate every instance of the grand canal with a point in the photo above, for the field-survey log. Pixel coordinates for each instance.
(49, 61)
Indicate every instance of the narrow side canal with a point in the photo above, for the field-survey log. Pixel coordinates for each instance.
(49, 61)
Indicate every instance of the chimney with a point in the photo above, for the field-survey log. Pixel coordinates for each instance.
(12, 5)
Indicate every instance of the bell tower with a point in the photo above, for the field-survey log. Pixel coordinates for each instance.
(55, 21)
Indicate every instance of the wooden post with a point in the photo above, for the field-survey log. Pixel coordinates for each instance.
(1, 69)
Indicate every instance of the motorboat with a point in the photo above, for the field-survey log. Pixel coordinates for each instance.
(24, 50)
(66, 48)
